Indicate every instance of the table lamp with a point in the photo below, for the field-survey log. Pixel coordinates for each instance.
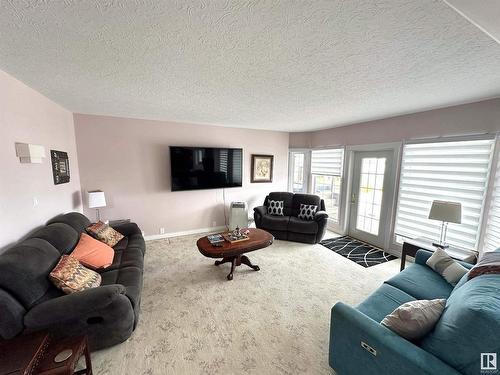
(96, 199)
(446, 212)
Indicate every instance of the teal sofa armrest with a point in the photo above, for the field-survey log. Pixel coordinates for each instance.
(422, 256)
(353, 334)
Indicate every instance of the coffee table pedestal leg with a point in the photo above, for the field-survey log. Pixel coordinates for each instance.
(235, 262)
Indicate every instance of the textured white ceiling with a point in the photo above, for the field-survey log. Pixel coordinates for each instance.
(283, 65)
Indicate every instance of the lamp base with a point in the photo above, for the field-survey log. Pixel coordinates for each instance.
(441, 245)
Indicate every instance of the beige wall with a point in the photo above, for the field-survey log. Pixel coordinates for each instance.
(480, 117)
(129, 160)
(29, 117)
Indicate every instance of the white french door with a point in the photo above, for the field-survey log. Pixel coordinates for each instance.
(371, 193)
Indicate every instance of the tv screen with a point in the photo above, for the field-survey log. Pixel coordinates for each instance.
(205, 168)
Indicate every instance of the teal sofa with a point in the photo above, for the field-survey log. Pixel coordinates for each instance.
(469, 326)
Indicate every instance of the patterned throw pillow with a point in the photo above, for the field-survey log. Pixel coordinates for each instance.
(275, 208)
(104, 233)
(70, 276)
(446, 266)
(307, 211)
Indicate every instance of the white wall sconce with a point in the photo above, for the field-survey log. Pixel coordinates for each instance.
(29, 153)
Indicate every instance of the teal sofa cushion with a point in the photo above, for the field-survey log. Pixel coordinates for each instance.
(383, 301)
(421, 282)
(469, 325)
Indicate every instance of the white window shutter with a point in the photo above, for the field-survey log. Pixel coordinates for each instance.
(327, 162)
(452, 171)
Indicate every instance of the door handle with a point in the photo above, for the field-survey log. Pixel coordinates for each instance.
(353, 198)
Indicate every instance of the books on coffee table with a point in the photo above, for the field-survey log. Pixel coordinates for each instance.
(215, 238)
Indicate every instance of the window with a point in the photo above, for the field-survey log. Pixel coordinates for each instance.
(492, 232)
(298, 172)
(326, 172)
(453, 171)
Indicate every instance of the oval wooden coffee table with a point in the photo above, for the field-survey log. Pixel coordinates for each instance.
(233, 252)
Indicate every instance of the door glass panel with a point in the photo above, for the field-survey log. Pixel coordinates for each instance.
(298, 172)
(328, 188)
(370, 195)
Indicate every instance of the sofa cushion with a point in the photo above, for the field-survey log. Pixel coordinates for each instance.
(275, 222)
(104, 233)
(307, 199)
(74, 219)
(130, 257)
(24, 270)
(11, 316)
(129, 277)
(469, 325)
(63, 237)
(281, 196)
(383, 301)
(421, 282)
(93, 253)
(71, 276)
(297, 225)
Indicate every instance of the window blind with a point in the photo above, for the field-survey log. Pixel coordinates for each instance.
(492, 231)
(452, 171)
(327, 162)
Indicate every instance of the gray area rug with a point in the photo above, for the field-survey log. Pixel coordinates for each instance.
(274, 321)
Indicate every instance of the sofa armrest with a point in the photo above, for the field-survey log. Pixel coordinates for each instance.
(127, 229)
(351, 330)
(73, 305)
(320, 215)
(260, 210)
(422, 256)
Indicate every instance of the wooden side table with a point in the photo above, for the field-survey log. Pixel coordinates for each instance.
(411, 246)
(78, 346)
(21, 355)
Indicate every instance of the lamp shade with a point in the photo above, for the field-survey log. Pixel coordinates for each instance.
(450, 212)
(96, 199)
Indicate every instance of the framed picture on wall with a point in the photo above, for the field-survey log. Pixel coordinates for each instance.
(60, 166)
(262, 168)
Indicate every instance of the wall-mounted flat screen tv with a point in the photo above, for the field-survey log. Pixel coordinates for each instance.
(194, 168)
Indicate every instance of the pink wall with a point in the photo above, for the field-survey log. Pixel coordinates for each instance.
(129, 160)
(480, 117)
(29, 117)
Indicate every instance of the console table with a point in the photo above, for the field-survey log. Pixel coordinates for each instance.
(411, 246)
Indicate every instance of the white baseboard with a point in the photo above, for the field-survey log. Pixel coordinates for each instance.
(184, 233)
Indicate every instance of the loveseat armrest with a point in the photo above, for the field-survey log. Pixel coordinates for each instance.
(70, 306)
(127, 229)
(360, 345)
(260, 210)
(320, 215)
(422, 256)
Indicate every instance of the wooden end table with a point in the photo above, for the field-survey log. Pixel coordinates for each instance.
(233, 252)
(411, 246)
(35, 353)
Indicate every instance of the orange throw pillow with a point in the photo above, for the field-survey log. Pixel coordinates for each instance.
(93, 253)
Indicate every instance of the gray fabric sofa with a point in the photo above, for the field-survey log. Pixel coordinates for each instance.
(30, 302)
(290, 227)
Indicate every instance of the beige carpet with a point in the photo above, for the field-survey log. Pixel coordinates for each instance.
(274, 321)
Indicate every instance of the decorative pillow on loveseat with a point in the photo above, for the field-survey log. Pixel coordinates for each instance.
(446, 266)
(70, 276)
(104, 233)
(275, 208)
(415, 319)
(93, 253)
(307, 211)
